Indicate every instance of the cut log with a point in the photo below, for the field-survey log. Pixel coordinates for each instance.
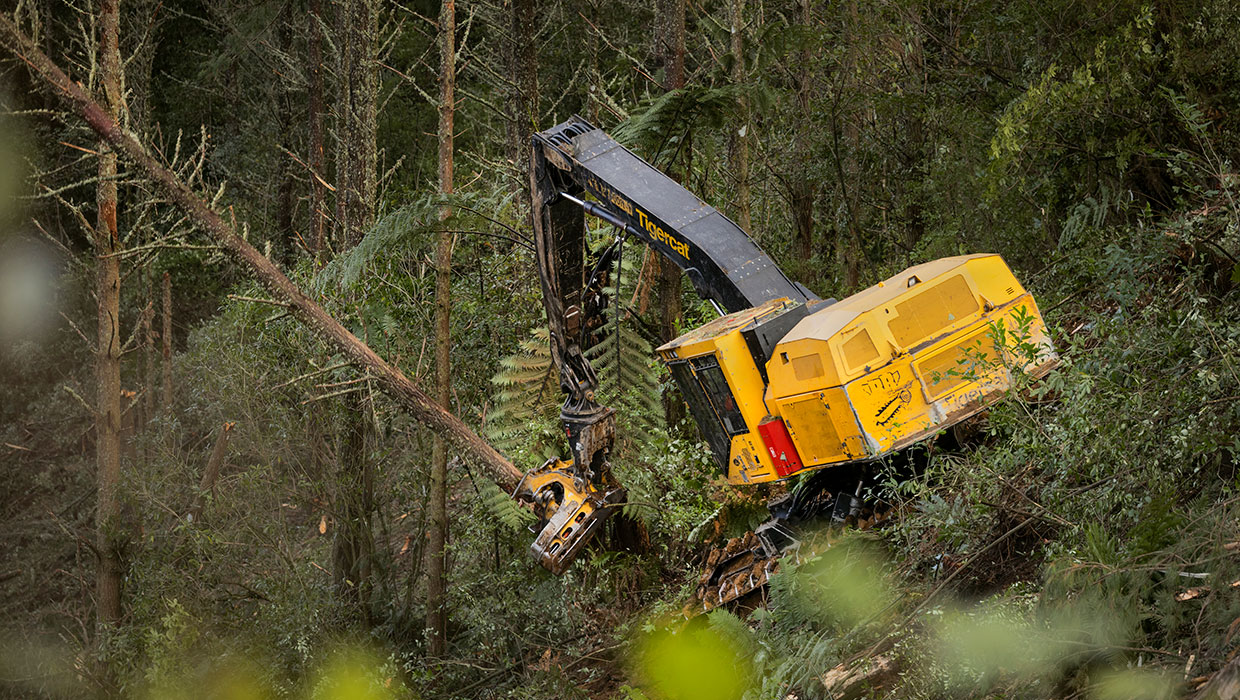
(845, 682)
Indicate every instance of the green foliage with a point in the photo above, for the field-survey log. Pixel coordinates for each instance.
(524, 420)
(505, 509)
(840, 587)
(629, 382)
(660, 124)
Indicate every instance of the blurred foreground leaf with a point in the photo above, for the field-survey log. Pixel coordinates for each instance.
(694, 664)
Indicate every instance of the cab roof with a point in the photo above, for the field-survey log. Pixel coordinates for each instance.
(834, 318)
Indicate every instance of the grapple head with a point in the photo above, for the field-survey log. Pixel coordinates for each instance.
(570, 510)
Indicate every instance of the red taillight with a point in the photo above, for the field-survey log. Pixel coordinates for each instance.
(779, 446)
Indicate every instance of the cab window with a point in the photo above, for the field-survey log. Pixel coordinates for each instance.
(703, 413)
(716, 386)
(711, 402)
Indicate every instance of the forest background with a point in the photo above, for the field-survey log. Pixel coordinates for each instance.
(207, 497)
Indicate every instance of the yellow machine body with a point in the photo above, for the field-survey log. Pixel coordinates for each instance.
(858, 379)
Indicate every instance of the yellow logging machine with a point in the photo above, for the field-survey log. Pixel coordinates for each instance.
(783, 382)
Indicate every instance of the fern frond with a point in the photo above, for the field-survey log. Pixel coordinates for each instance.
(524, 419)
(503, 508)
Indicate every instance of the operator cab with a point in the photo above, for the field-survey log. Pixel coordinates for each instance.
(720, 369)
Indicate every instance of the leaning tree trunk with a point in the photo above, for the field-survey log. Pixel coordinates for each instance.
(108, 358)
(436, 565)
(390, 379)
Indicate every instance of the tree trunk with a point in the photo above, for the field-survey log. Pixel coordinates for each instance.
(354, 544)
(316, 426)
(740, 136)
(914, 159)
(286, 245)
(804, 189)
(595, 87)
(672, 31)
(525, 100)
(148, 354)
(392, 380)
(108, 358)
(852, 244)
(318, 175)
(357, 22)
(166, 341)
(355, 206)
(436, 565)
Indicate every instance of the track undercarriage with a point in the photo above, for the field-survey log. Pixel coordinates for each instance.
(839, 498)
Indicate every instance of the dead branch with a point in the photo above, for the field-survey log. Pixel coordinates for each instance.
(333, 394)
(308, 375)
(74, 326)
(238, 297)
(209, 475)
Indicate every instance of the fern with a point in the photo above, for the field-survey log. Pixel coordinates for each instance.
(524, 419)
(502, 506)
(627, 371)
(661, 120)
(410, 223)
(411, 227)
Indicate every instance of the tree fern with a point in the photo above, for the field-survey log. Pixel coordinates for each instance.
(501, 505)
(628, 381)
(410, 227)
(524, 418)
(666, 116)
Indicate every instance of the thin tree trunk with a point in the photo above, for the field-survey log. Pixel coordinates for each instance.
(286, 246)
(392, 380)
(523, 16)
(914, 127)
(148, 355)
(594, 89)
(317, 232)
(672, 23)
(741, 135)
(108, 358)
(166, 341)
(353, 545)
(318, 190)
(804, 192)
(436, 566)
(851, 246)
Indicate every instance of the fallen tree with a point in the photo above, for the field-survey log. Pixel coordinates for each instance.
(394, 383)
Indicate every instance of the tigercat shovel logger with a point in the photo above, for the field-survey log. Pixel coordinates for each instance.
(783, 382)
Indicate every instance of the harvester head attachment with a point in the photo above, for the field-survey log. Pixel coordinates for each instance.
(570, 509)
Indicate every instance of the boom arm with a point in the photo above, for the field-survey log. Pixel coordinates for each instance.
(720, 259)
(723, 263)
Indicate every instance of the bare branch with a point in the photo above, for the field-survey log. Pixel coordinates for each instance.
(237, 297)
